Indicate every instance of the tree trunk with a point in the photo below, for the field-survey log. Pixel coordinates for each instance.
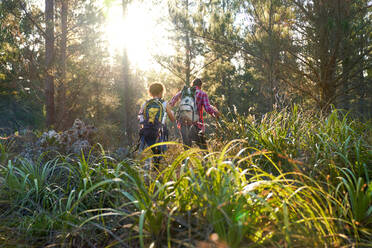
(188, 49)
(49, 61)
(126, 86)
(188, 59)
(61, 102)
(362, 104)
(361, 89)
(126, 96)
(328, 45)
(344, 100)
(271, 58)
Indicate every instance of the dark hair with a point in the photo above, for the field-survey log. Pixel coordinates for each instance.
(156, 89)
(197, 82)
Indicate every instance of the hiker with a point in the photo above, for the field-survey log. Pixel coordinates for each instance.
(190, 113)
(152, 118)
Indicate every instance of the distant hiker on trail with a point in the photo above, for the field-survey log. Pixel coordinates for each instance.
(190, 113)
(152, 118)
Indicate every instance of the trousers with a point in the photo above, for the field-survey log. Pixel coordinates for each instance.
(192, 133)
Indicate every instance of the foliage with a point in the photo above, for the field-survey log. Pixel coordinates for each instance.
(90, 88)
(19, 82)
(295, 51)
(293, 177)
(301, 141)
(258, 190)
(75, 140)
(359, 196)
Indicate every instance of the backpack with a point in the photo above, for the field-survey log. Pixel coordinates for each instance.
(187, 111)
(153, 122)
(153, 113)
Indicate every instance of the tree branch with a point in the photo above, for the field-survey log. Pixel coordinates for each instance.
(31, 19)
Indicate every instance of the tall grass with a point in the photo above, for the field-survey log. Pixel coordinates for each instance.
(6, 147)
(290, 180)
(318, 143)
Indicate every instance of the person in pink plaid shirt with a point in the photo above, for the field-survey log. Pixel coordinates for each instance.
(195, 132)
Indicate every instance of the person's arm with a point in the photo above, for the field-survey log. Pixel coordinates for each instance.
(208, 107)
(175, 99)
(170, 113)
(216, 112)
(140, 114)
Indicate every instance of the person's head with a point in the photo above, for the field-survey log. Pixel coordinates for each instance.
(156, 90)
(197, 82)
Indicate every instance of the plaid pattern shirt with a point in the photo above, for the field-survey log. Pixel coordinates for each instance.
(202, 101)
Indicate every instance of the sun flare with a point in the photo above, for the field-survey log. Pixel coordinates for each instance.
(138, 32)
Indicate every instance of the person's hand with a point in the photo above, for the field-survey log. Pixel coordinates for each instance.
(217, 113)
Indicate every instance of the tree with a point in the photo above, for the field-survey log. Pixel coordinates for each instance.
(49, 61)
(20, 81)
(266, 38)
(187, 61)
(126, 84)
(227, 77)
(311, 49)
(87, 62)
(323, 58)
(61, 90)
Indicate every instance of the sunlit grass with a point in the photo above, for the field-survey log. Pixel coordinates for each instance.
(284, 183)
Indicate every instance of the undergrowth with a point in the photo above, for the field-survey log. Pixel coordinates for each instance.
(287, 180)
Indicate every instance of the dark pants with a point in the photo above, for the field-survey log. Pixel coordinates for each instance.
(149, 141)
(150, 137)
(193, 133)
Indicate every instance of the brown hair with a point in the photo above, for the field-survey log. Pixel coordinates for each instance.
(156, 89)
(197, 82)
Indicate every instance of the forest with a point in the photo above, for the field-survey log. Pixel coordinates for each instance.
(282, 153)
